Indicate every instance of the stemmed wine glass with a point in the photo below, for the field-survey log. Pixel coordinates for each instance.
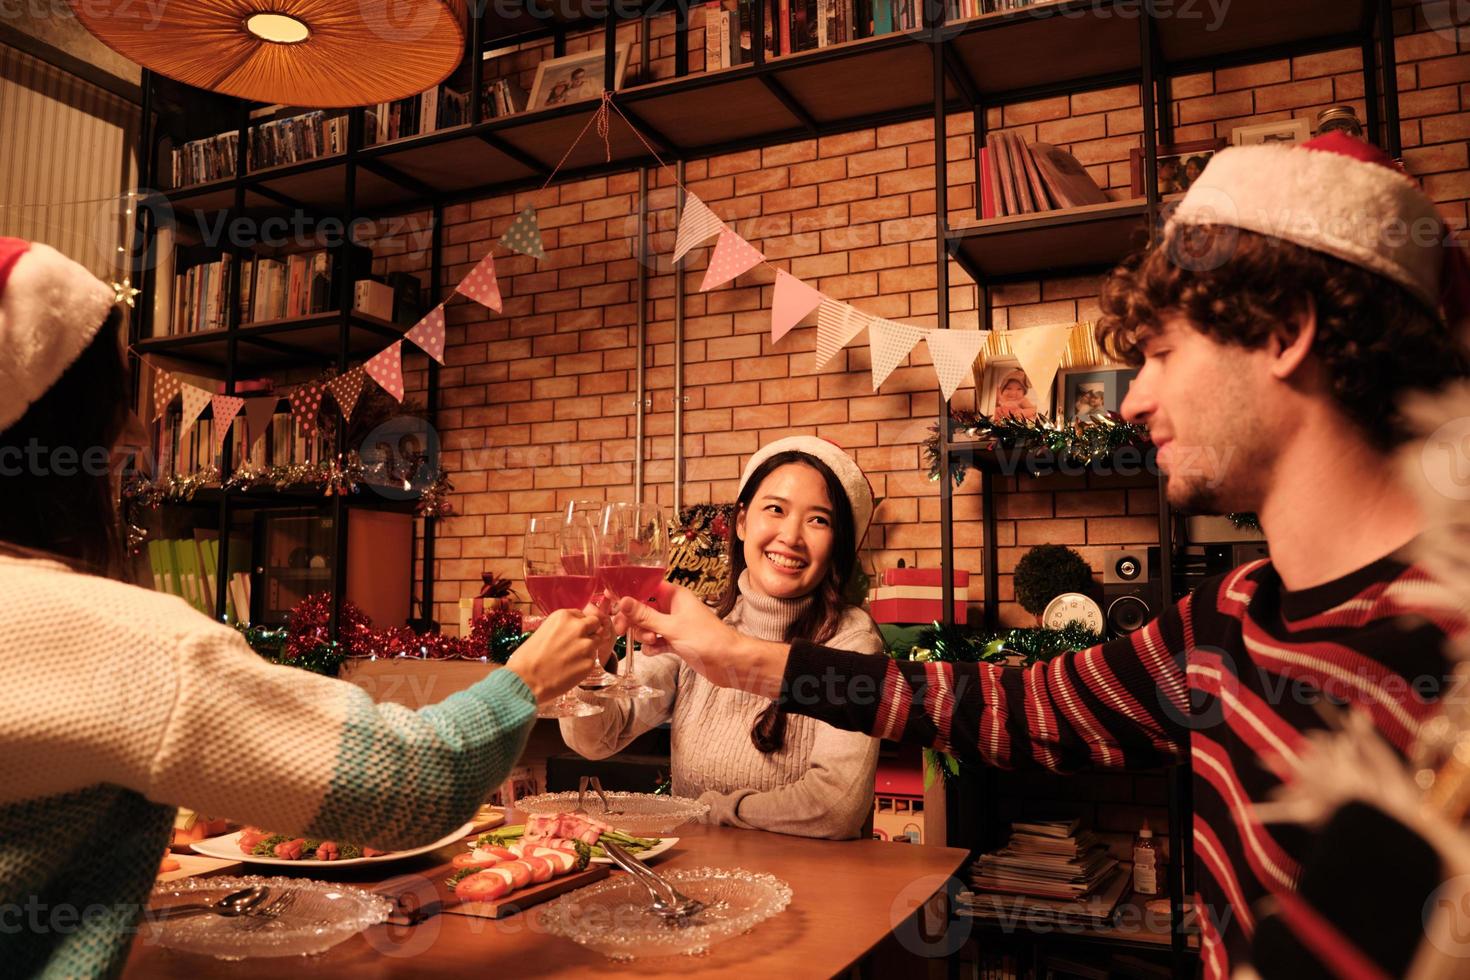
(632, 559)
(560, 574)
(586, 513)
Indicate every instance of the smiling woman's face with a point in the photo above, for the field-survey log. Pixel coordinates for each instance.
(787, 532)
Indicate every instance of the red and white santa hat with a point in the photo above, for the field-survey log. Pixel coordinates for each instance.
(1340, 196)
(50, 309)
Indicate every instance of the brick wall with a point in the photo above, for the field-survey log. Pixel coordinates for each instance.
(538, 403)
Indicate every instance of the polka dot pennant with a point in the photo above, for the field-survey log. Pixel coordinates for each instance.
(386, 368)
(346, 389)
(524, 235)
(165, 388)
(480, 285)
(226, 407)
(733, 255)
(194, 401)
(306, 404)
(428, 333)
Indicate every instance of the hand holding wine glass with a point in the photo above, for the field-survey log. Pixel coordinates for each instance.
(559, 576)
(632, 559)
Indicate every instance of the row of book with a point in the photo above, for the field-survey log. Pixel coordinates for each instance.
(189, 568)
(185, 453)
(203, 160)
(201, 297)
(299, 138)
(1048, 871)
(1021, 178)
(435, 108)
(294, 285)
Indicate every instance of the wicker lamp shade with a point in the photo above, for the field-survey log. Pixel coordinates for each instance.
(324, 53)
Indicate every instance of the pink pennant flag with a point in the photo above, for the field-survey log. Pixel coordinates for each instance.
(428, 333)
(386, 368)
(165, 388)
(346, 389)
(733, 255)
(226, 407)
(258, 412)
(891, 343)
(954, 352)
(480, 285)
(697, 225)
(194, 401)
(837, 325)
(306, 404)
(793, 301)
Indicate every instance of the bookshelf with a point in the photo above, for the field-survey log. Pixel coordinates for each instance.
(980, 63)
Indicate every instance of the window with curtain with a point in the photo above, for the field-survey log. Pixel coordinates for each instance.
(68, 158)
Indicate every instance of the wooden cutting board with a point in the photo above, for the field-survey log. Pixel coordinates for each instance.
(517, 900)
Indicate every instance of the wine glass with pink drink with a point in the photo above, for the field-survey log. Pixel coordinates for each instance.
(632, 559)
(560, 575)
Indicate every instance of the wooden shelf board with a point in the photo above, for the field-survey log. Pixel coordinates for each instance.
(1078, 238)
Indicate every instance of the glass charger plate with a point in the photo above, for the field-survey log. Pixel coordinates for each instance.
(613, 917)
(320, 915)
(642, 813)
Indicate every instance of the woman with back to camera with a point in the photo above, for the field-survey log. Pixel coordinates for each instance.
(803, 508)
(121, 703)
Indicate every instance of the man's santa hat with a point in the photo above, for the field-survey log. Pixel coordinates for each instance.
(50, 309)
(1339, 196)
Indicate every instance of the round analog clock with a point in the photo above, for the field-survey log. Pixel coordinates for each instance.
(1072, 607)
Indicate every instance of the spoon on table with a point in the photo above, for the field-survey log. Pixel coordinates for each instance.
(233, 904)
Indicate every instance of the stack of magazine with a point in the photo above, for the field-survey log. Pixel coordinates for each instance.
(1021, 178)
(1049, 871)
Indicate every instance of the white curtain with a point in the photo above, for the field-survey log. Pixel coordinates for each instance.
(68, 158)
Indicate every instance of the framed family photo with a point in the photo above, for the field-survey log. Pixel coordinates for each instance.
(1085, 392)
(1006, 393)
(1180, 165)
(574, 77)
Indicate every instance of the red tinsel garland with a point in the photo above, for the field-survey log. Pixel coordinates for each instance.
(308, 627)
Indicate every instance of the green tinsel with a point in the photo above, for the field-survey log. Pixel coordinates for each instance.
(1081, 443)
(270, 643)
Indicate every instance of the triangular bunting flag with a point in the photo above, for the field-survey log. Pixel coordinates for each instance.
(954, 353)
(697, 225)
(837, 324)
(891, 343)
(386, 368)
(1039, 351)
(226, 407)
(194, 401)
(306, 402)
(346, 389)
(793, 301)
(733, 255)
(428, 333)
(165, 387)
(258, 412)
(480, 285)
(524, 235)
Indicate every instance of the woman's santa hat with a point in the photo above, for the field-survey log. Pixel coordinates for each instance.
(1340, 196)
(50, 309)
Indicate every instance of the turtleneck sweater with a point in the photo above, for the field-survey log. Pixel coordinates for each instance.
(820, 784)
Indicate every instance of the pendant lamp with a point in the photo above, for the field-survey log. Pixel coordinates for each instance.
(313, 53)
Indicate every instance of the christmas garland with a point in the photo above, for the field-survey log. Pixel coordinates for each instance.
(1081, 443)
(1244, 521)
(305, 641)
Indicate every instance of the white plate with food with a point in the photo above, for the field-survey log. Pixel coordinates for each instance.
(229, 847)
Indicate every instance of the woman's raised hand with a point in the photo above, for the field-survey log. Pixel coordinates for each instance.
(561, 651)
(684, 625)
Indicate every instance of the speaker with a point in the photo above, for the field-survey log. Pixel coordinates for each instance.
(1131, 589)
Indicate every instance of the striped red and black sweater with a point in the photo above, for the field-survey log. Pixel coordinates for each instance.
(1234, 672)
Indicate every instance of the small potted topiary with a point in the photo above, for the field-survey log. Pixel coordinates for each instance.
(1047, 571)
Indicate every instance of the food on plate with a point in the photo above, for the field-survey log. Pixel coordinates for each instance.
(170, 863)
(485, 875)
(260, 843)
(562, 830)
(190, 826)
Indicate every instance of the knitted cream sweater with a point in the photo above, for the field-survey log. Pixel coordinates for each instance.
(120, 703)
(819, 785)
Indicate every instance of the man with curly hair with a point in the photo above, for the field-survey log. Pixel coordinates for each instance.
(1296, 297)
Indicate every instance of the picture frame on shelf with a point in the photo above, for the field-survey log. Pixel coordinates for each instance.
(1083, 392)
(1285, 131)
(574, 77)
(1180, 164)
(1006, 393)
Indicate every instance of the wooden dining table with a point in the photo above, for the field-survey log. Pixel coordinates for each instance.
(847, 896)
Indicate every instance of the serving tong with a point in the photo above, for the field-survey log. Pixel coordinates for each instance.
(670, 904)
